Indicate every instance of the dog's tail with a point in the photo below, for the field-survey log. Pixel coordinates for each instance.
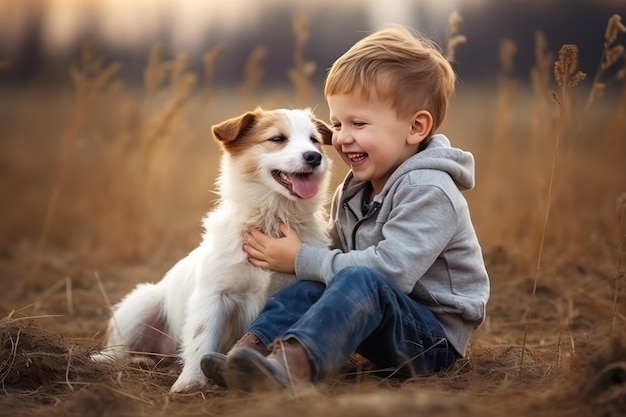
(138, 325)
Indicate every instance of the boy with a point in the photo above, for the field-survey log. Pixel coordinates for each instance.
(404, 283)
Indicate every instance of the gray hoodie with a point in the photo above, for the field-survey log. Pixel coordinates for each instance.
(419, 236)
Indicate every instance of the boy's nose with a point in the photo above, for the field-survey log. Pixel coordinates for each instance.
(343, 137)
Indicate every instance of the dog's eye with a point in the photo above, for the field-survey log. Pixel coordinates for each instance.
(277, 139)
(314, 140)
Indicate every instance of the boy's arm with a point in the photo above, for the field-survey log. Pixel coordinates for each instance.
(416, 232)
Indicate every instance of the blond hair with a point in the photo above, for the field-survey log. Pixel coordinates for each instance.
(395, 65)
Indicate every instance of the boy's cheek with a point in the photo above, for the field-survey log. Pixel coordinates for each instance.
(336, 145)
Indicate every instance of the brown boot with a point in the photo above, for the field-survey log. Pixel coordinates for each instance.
(286, 366)
(251, 341)
(213, 364)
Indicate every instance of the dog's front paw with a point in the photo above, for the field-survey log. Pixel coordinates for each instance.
(103, 357)
(188, 382)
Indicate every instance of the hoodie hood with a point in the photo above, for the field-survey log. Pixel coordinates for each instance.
(459, 164)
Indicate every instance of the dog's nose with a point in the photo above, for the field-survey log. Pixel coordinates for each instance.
(312, 158)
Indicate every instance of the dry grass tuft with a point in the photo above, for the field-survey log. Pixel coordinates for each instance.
(37, 360)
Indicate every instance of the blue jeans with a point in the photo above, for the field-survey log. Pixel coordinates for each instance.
(359, 311)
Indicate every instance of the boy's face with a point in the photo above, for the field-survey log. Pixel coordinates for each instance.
(370, 137)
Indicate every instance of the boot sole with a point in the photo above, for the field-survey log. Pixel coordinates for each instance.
(213, 366)
(249, 371)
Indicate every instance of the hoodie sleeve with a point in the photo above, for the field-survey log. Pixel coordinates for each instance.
(416, 230)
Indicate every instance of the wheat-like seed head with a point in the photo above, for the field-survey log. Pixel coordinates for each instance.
(613, 28)
(302, 70)
(621, 204)
(540, 73)
(209, 60)
(555, 97)
(155, 71)
(253, 71)
(597, 90)
(508, 49)
(565, 67)
(454, 21)
(611, 56)
(453, 43)
(454, 38)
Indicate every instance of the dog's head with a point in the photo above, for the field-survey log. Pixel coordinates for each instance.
(282, 149)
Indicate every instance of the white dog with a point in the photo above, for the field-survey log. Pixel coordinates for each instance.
(273, 170)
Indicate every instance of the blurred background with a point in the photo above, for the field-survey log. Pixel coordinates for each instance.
(106, 108)
(40, 37)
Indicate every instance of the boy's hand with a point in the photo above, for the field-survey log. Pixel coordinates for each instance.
(275, 254)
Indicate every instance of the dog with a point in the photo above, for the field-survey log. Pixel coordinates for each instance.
(273, 170)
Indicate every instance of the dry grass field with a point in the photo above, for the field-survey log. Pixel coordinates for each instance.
(104, 185)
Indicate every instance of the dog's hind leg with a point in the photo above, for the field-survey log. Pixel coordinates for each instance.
(138, 325)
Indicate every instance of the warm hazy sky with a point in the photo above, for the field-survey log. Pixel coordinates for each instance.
(36, 32)
(134, 22)
(131, 22)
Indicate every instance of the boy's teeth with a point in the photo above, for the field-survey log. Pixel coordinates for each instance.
(356, 157)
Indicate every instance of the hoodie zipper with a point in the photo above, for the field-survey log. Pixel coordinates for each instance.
(369, 214)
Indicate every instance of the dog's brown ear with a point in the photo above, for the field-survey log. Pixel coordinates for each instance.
(229, 130)
(325, 131)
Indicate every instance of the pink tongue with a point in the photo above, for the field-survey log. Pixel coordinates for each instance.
(303, 187)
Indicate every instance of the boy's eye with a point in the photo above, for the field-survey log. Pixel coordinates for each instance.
(336, 126)
(358, 124)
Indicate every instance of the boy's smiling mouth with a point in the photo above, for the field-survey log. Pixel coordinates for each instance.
(356, 157)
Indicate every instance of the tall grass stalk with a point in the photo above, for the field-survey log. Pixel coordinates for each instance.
(253, 74)
(611, 54)
(155, 130)
(621, 250)
(453, 38)
(209, 62)
(540, 76)
(567, 76)
(302, 70)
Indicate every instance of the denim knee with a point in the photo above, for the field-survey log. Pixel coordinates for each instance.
(358, 277)
(310, 290)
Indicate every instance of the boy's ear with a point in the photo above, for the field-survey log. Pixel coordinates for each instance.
(421, 127)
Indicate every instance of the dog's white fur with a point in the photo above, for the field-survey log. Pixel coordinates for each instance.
(206, 301)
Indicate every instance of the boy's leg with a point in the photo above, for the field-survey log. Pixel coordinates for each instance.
(360, 311)
(284, 309)
(409, 341)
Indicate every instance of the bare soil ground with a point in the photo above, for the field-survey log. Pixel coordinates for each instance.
(553, 344)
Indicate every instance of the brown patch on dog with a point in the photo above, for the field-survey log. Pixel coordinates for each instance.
(236, 134)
